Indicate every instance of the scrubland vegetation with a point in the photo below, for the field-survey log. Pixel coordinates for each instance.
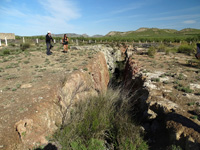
(100, 122)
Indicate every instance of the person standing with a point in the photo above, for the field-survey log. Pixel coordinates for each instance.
(48, 42)
(197, 55)
(65, 43)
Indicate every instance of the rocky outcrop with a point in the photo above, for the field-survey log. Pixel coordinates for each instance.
(111, 54)
(51, 114)
(161, 117)
(81, 84)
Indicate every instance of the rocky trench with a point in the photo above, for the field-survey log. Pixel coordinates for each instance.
(162, 120)
(157, 115)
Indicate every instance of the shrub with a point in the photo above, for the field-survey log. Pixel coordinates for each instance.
(186, 49)
(99, 119)
(26, 62)
(180, 87)
(194, 117)
(191, 103)
(162, 48)
(6, 52)
(174, 147)
(152, 51)
(93, 144)
(25, 46)
(180, 77)
(165, 82)
(155, 79)
(167, 51)
(173, 50)
(86, 69)
(12, 44)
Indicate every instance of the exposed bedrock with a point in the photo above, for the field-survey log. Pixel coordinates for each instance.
(52, 113)
(162, 119)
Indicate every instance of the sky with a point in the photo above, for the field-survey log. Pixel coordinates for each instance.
(36, 17)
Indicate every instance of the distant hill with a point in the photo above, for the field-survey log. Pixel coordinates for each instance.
(97, 35)
(154, 32)
(70, 35)
(76, 35)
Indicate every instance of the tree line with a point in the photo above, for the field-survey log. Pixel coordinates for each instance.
(175, 39)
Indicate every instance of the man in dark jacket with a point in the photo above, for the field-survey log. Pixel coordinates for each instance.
(48, 42)
(198, 51)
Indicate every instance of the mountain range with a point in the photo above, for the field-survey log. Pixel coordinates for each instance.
(141, 32)
(154, 32)
(76, 35)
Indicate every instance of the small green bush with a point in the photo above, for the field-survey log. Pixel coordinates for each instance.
(180, 77)
(12, 65)
(155, 79)
(152, 51)
(6, 52)
(180, 87)
(12, 44)
(25, 46)
(86, 69)
(162, 48)
(165, 82)
(93, 144)
(186, 49)
(167, 51)
(194, 117)
(18, 85)
(171, 50)
(26, 62)
(99, 119)
(14, 89)
(174, 147)
(191, 104)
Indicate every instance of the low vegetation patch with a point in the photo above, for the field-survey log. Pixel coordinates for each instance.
(186, 49)
(25, 46)
(152, 51)
(162, 48)
(99, 123)
(182, 88)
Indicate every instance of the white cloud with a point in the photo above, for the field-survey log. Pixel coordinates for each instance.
(56, 18)
(130, 7)
(176, 17)
(62, 9)
(189, 22)
(11, 12)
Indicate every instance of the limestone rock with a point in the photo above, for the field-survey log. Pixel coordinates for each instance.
(111, 54)
(163, 106)
(79, 85)
(152, 114)
(24, 86)
(24, 126)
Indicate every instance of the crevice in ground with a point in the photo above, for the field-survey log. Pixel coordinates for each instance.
(159, 132)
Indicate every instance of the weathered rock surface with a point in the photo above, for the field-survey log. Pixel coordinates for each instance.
(79, 85)
(111, 54)
(159, 110)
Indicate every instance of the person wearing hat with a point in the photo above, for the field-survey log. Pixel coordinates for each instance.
(48, 42)
(197, 55)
